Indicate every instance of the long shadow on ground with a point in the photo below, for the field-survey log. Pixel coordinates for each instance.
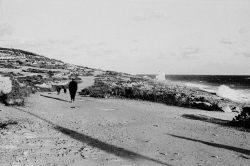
(221, 122)
(54, 98)
(206, 119)
(112, 149)
(239, 150)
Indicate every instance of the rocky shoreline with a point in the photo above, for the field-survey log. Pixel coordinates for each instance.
(112, 84)
(31, 73)
(120, 85)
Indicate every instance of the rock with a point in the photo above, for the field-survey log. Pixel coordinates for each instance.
(19, 101)
(203, 105)
(226, 109)
(10, 101)
(25, 153)
(5, 85)
(236, 109)
(162, 153)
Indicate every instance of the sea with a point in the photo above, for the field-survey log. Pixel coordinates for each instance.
(234, 87)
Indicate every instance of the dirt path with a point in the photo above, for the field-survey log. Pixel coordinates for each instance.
(112, 132)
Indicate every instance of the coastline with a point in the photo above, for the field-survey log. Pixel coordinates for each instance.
(94, 131)
(121, 85)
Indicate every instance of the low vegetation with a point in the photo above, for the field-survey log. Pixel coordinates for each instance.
(121, 85)
(243, 119)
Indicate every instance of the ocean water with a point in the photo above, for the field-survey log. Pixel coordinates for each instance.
(236, 88)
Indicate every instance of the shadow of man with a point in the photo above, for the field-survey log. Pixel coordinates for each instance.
(54, 98)
(93, 142)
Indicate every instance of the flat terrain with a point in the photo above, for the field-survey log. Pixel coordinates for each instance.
(112, 132)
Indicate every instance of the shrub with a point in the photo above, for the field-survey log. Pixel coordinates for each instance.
(243, 119)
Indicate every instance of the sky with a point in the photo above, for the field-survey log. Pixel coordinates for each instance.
(210, 37)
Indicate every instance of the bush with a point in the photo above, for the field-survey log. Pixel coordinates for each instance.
(243, 119)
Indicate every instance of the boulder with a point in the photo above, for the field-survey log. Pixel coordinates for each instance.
(236, 109)
(226, 109)
(5, 85)
(203, 105)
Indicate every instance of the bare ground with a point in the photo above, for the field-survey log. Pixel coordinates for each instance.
(112, 132)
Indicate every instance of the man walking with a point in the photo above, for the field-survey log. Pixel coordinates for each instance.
(72, 89)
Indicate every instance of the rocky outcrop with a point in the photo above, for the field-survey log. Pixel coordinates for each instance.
(5, 85)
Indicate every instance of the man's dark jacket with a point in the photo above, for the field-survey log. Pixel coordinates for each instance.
(73, 86)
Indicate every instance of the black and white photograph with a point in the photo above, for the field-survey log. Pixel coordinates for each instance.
(124, 82)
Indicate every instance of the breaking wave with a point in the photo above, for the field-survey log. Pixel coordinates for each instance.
(202, 87)
(239, 95)
(226, 92)
(242, 96)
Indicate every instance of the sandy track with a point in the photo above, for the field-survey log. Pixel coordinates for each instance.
(112, 132)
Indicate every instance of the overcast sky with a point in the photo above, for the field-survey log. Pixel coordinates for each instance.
(140, 36)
